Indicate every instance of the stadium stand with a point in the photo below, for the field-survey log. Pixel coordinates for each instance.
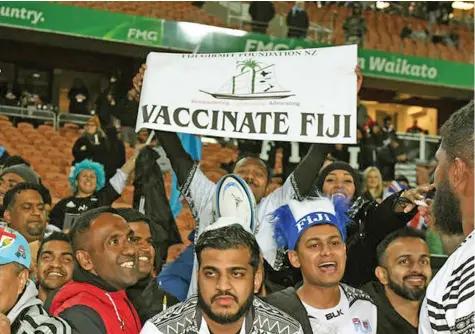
(383, 29)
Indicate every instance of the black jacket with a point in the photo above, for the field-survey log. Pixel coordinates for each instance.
(389, 321)
(371, 224)
(150, 198)
(288, 301)
(74, 206)
(298, 23)
(127, 112)
(78, 107)
(262, 11)
(148, 298)
(86, 148)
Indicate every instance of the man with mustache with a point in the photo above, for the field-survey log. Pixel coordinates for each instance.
(450, 300)
(13, 175)
(25, 211)
(403, 272)
(228, 278)
(146, 295)
(314, 231)
(55, 263)
(105, 265)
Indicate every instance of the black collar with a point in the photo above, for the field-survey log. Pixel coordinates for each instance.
(82, 276)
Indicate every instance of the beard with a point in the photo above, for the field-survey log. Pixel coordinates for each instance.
(36, 229)
(414, 294)
(446, 210)
(224, 319)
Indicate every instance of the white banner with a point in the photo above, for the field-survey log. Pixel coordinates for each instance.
(306, 95)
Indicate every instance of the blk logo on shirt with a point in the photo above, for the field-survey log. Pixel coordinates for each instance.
(335, 314)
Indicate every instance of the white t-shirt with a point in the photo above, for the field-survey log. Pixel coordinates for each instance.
(150, 328)
(360, 317)
(449, 304)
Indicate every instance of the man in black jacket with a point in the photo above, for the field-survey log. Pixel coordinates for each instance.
(404, 273)
(147, 296)
(297, 21)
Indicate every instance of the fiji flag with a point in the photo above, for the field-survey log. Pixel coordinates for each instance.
(192, 145)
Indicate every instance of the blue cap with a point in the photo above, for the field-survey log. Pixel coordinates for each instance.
(14, 247)
(293, 219)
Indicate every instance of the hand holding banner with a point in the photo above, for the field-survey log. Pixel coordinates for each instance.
(306, 95)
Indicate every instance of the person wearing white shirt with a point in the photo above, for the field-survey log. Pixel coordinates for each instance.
(450, 300)
(314, 231)
(228, 277)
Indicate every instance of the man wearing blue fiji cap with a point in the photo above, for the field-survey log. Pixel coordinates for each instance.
(20, 309)
(314, 231)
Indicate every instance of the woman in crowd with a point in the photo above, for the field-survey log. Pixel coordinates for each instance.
(372, 185)
(91, 190)
(93, 144)
(370, 222)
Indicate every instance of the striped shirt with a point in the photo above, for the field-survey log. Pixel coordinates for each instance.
(450, 302)
(35, 319)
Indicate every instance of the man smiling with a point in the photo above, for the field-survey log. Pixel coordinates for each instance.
(315, 233)
(106, 264)
(146, 295)
(404, 273)
(55, 263)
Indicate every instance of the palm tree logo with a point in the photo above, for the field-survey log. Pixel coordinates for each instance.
(251, 64)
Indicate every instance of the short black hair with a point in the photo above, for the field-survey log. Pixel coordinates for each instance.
(45, 193)
(256, 157)
(406, 232)
(10, 196)
(457, 134)
(229, 237)
(55, 236)
(82, 224)
(132, 215)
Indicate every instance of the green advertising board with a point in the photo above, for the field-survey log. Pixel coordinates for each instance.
(83, 22)
(191, 37)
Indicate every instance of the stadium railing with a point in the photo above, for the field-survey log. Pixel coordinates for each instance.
(29, 113)
(64, 117)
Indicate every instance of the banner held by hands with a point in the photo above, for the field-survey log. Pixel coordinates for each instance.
(306, 95)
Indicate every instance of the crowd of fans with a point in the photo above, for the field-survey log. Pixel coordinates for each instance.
(323, 253)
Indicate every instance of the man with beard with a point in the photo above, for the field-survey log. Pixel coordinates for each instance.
(55, 263)
(25, 211)
(105, 265)
(228, 277)
(403, 272)
(147, 296)
(314, 231)
(450, 301)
